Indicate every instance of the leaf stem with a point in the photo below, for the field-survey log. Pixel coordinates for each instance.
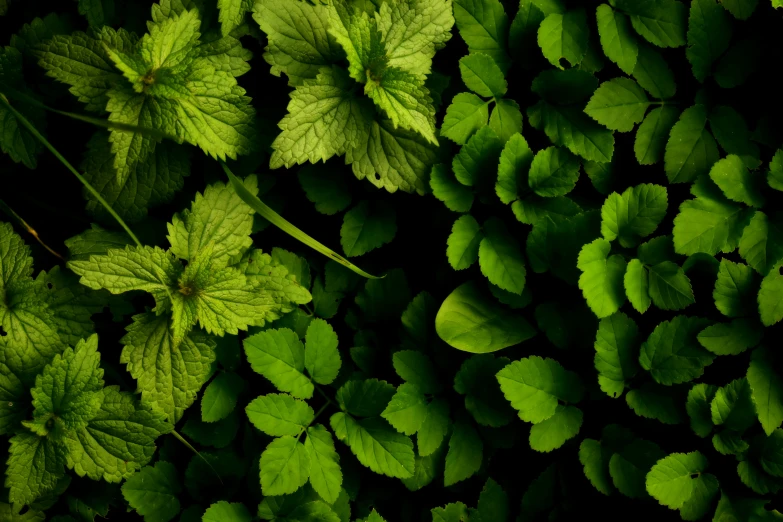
(30, 230)
(194, 450)
(277, 220)
(31, 128)
(324, 395)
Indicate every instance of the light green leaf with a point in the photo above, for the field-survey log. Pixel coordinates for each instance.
(617, 39)
(365, 398)
(653, 73)
(635, 214)
(601, 281)
(637, 285)
(732, 407)
(564, 36)
(736, 181)
(35, 465)
(469, 321)
(534, 386)
(570, 127)
(553, 432)
(653, 134)
(232, 13)
(463, 243)
(434, 428)
(483, 25)
(285, 466)
(322, 359)
(405, 100)
(672, 354)
(466, 115)
(629, 467)
(670, 288)
(456, 196)
(731, 338)
(761, 244)
(279, 414)
(770, 298)
(709, 225)
(515, 161)
(691, 149)
(478, 158)
(553, 172)
(660, 22)
(482, 75)
(465, 454)
(500, 257)
(220, 397)
(698, 406)
(618, 104)
(766, 390)
(709, 34)
(376, 444)
(506, 119)
(279, 356)
(671, 480)
(326, 477)
(407, 409)
(227, 512)
(153, 491)
(616, 347)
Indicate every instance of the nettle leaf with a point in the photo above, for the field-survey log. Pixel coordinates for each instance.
(482, 75)
(679, 482)
(35, 465)
(366, 227)
(634, 214)
(672, 354)
(500, 257)
(617, 38)
(618, 104)
(709, 33)
(616, 347)
(470, 321)
(534, 386)
(564, 36)
(483, 25)
(232, 12)
(601, 281)
(660, 22)
(766, 390)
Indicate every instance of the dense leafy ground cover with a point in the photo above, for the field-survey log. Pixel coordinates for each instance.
(536, 274)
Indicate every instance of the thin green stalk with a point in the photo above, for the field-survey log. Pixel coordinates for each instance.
(194, 450)
(278, 221)
(30, 230)
(31, 128)
(324, 395)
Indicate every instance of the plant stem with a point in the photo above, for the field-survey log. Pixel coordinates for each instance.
(31, 128)
(30, 230)
(194, 450)
(324, 395)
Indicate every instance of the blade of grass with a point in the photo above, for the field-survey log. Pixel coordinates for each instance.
(31, 128)
(277, 220)
(30, 230)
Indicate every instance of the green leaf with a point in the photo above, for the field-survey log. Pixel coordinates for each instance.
(709, 34)
(672, 354)
(463, 244)
(220, 397)
(653, 134)
(670, 288)
(731, 338)
(118, 440)
(653, 73)
(655, 402)
(617, 39)
(736, 182)
(534, 386)
(660, 22)
(416, 368)
(322, 358)
(553, 432)
(279, 414)
(506, 119)
(699, 409)
(618, 104)
(594, 459)
(483, 399)
(279, 356)
(407, 409)
(456, 196)
(709, 225)
(467, 114)
(761, 244)
(169, 378)
(564, 36)
(629, 467)
(366, 227)
(365, 398)
(477, 158)
(770, 298)
(637, 285)
(35, 464)
(326, 188)
(469, 321)
(405, 100)
(732, 407)
(740, 9)
(434, 428)
(153, 491)
(553, 172)
(500, 257)
(570, 127)
(482, 75)
(564, 87)
(465, 454)
(678, 481)
(326, 477)
(775, 174)
(733, 135)
(483, 25)
(691, 149)
(232, 13)
(616, 348)
(227, 512)
(493, 502)
(635, 214)
(601, 281)
(285, 466)
(766, 390)
(376, 444)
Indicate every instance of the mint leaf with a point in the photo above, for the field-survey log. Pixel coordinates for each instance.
(616, 348)
(534, 386)
(405, 100)
(564, 36)
(35, 464)
(285, 466)
(635, 214)
(153, 491)
(220, 397)
(671, 353)
(553, 172)
(232, 12)
(467, 114)
(279, 356)
(483, 25)
(500, 257)
(279, 414)
(618, 104)
(601, 281)
(463, 243)
(709, 33)
(366, 227)
(691, 149)
(617, 39)
(469, 321)
(482, 75)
